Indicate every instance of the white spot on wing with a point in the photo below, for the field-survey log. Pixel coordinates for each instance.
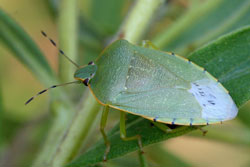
(214, 101)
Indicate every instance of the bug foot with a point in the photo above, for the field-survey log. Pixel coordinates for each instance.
(106, 152)
(148, 44)
(204, 132)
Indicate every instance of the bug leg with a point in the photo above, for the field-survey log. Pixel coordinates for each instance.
(204, 132)
(148, 44)
(162, 127)
(123, 131)
(102, 126)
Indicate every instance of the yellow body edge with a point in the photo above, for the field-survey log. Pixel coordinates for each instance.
(149, 118)
(200, 68)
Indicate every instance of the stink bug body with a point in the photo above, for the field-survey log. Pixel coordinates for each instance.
(159, 86)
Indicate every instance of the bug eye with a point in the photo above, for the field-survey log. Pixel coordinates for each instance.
(86, 82)
(91, 63)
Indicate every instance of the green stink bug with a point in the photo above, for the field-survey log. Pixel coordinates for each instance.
(156, 85)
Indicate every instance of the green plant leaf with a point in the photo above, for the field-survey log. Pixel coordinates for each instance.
(226, 58)
(1, 119)
(102, 14)
(160, 155)
(203, 23)
(25, 50)
(244, 116)
(53, 6)
(140, 126)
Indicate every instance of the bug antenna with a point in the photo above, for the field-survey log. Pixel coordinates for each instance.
(45, 90)
(60, 51)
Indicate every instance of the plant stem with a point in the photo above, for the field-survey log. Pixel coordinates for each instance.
(192, 15)
(57, 129)
(68, 16)
(1, 118)
(77, 131)
(62, 110)
(138, 19)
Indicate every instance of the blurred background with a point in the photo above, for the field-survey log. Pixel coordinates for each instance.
(23, 128)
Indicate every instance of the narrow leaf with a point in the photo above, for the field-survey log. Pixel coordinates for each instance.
(1, 119)
(202, 24)
(102, 14)
(119, 147)
(25, 50)
(160, 155)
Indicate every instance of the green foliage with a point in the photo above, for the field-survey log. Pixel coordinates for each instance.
(244, 115)
(1, 119)
(23, 47)
(102, 14)
(140, 126)
(26, 51)
(203, 23)
(165, 158)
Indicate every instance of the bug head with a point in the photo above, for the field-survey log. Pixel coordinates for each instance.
(82, 74)
(85, 73)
